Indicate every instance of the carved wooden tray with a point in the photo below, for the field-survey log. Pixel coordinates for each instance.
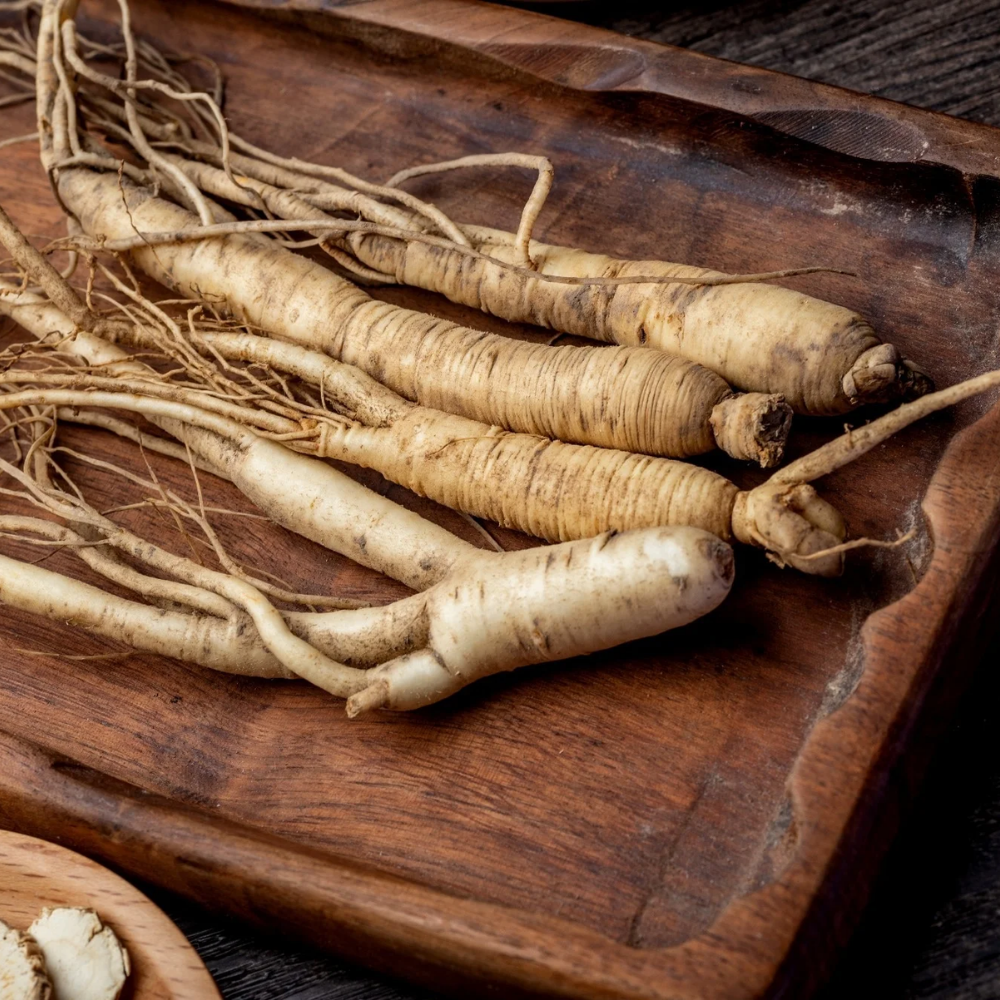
(697, 815)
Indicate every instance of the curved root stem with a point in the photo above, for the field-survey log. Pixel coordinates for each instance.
(532, 207)
(855, 443)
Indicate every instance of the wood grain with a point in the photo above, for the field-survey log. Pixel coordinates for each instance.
(579, 56)
(35, 874)
(942, 56)
(930, 930)
(692, 817)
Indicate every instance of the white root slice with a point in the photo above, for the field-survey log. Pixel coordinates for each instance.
(84, 958)
(22, 968)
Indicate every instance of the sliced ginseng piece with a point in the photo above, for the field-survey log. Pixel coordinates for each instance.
(22, 969)
(84, 958)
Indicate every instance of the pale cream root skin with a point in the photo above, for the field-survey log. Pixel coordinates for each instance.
(758, 337)
(318, 502)
(228, 646)
(303, 494)
(517, 607)
(22, 968)
(622, 398)
(501, 612)
(366, 637)
(84, 957)
(552, 604)
(553, 490)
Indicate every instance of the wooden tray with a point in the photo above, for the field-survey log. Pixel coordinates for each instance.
(35, 874)
(692, 816)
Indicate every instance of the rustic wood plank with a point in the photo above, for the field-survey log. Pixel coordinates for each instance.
(693, 912)
(943, 56)
(934, 936)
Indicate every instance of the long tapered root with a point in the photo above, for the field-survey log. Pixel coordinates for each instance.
(199, 639)
(856, 442)
(824, 358)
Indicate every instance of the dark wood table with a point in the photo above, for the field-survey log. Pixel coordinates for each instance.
(931, 929)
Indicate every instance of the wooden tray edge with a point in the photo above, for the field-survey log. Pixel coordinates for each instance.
(598, 59)
(779, 936)
(903, 644)
(383, 921)
(408, 929)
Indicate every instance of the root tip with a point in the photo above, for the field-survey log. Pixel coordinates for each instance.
(373, 697)
(881, 375)
(753, 426)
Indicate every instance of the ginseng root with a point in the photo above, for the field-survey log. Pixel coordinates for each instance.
(669, 407)
(546, 488)
(632, 400)
(624, 398)
(499, 612)
(506, 611)
(822, 358)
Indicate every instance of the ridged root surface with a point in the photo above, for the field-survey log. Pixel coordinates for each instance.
(614, 397)
(759, 337)
(550, 489)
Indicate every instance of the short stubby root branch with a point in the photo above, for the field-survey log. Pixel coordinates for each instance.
(793, 524)
(753, 426)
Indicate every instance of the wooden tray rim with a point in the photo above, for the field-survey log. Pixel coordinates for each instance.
(408, 928)
(514, 38)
